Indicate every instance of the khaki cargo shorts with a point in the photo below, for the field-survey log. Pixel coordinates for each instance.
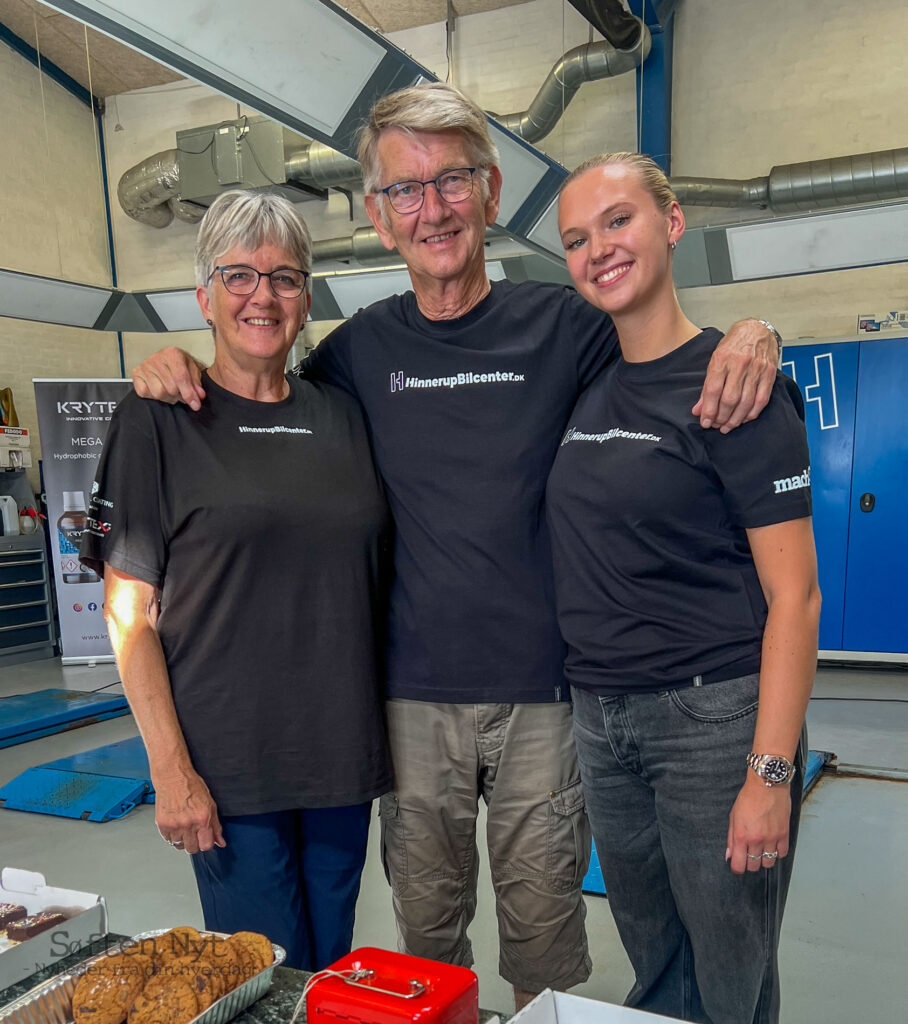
(520, 759)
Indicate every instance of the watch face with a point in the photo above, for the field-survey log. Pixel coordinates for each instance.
(776, 769)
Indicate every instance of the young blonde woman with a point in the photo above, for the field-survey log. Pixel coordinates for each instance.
(687, 593)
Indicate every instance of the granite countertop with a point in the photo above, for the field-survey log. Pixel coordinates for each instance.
(275, 1007)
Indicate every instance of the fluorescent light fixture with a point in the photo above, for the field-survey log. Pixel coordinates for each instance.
(28, 297)
(354, 290)
(832, 241)
(521, 168)
(276, 54)
(178, 310)
(544, 232)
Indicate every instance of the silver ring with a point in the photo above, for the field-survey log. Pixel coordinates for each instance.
(770, 856)
(755, 856)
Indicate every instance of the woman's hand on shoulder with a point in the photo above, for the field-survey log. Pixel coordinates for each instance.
(170, 375)
(758, 825)
(185, 811)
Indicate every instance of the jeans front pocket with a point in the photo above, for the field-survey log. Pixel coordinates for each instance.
(568, 838)
(719, 702)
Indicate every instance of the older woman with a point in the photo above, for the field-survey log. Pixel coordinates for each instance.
(241, 548)
(687, 592)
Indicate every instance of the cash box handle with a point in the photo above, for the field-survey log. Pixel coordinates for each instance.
(416, 987)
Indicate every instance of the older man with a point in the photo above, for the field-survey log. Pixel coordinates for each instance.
(467, 386)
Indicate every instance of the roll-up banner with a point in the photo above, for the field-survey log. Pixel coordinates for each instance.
(73, 416)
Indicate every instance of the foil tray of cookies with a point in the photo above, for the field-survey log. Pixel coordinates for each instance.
(167, 976)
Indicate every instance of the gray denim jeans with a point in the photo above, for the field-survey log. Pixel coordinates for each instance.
(520, 759)
(660, 773)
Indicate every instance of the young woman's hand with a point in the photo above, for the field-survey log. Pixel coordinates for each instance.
(758, 826)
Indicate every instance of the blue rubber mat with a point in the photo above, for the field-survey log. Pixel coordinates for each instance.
(29, 716)
(99, 785)
(594, 884)
(816, 761)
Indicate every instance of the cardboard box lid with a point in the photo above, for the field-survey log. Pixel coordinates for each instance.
(560, 1008)
(30, 889)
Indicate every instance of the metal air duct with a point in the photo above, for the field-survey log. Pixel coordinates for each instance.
(588, 63)
(322, 166)
(150, 192)
(364, 246)
(814, 184)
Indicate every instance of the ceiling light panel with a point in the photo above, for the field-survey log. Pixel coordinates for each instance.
(521, 169)
(352, 292)
(545, 233)
(282, 55)
(178, 310)
(806, 245)
(26, 297)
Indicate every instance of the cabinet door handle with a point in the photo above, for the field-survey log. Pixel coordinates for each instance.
(867, 502)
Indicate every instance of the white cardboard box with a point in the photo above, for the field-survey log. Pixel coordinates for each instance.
(86, 921)
(15, 437)
(560, 1008)
(15, 458)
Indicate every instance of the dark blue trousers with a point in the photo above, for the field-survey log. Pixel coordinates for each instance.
(291, 875)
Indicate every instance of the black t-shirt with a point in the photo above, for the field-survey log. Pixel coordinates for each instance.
(655, 580)
(262, 524)
(465, 417)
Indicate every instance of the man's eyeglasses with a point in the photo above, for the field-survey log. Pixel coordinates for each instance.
(286, 282)
(454, 186)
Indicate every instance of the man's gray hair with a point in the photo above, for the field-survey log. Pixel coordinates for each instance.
(433, 107)
(247, 220)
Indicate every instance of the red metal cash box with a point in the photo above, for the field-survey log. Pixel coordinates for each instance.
(390, 988)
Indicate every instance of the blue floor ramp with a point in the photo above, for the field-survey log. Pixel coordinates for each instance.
(29, 716)
(99, 785)
(593, 882)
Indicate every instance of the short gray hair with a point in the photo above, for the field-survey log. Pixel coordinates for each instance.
(249, 220)
(431, 107)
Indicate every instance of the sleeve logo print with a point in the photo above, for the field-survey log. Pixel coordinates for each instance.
(792, 483)
(400, 382)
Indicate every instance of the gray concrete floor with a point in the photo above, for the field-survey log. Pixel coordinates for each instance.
(846, 927)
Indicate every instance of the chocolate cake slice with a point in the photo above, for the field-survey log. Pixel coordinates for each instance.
(28, 927)
(10, 912)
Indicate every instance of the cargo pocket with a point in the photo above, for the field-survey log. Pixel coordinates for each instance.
(393, 846)
(568, 840)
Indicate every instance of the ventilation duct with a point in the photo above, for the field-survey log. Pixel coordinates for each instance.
(588, 63)
(815, 184)
(363, 246)
(320, 165)
(150, 192)
(255, 152)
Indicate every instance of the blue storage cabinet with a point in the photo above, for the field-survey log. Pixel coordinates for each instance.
(856, 408)
(876, 590)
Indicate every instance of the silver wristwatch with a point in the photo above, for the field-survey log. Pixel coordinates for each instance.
(773, 769)
(769, 327)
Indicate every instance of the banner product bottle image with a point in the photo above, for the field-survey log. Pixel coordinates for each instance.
(69, 534)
